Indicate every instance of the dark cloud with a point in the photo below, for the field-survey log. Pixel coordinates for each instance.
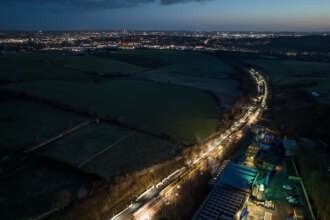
(168, 2)
(97, 4)
(82, 4)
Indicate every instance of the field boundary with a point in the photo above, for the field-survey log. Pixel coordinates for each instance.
(105, 149)
(59, 136)
(69, 108)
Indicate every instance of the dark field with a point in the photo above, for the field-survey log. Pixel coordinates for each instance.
(98, 65)
(25, 124)
(83, 144)
(37, 187)
(31, 67)
(141, 108)
(158, 108)
(140, 150)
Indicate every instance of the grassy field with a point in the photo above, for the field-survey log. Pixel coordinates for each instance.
(98, 147)
(312, 76)
(173, 104)
(63, 78)
(37, 188)
(120, 159)
(98, 65)
(83, 144)
(24, 124)
(191, 69)
(182, 62)
(171, 94)
(226, 89)
(184, 113)
(54, 66)
(41, 66)
(29, 67)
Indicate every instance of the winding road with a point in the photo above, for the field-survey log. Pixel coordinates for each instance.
(151, 201)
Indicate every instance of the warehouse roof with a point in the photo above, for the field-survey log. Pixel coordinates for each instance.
(237, 176)
(229, 193)
(222, 203)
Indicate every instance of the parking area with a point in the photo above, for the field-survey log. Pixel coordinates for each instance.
(258, 212)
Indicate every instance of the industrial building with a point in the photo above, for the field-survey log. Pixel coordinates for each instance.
(229, 196)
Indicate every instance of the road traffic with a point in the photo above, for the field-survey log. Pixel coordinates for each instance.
(151, 201)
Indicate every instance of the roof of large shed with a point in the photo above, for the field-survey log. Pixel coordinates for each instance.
(228, 194)
(237, 176)
(222, 203)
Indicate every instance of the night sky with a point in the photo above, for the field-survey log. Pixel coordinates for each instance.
(221, 15)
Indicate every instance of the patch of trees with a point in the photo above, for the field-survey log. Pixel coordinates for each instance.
(296, 113)
(312, 161)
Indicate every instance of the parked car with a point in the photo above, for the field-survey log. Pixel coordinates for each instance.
(287, 187)
(292, 200)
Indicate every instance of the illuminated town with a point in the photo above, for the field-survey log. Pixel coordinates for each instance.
(164, 110)
(128, 40)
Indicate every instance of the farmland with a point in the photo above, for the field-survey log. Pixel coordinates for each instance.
(156, 107)
(39, 187)
(147, 151)
(221, 88)
(81, 145)
(97, 148)
(143, 109)
(184, 63)
(30, 67)
(22, 129)
(98, 65)
(189, 69)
